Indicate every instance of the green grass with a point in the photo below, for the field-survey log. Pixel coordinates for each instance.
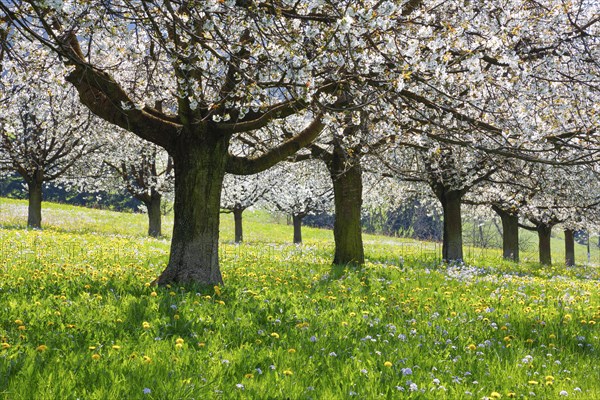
(79, 320)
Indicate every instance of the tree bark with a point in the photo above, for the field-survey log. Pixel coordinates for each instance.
(569, 247)
(34, 211)
(199, 172)
(510, 234)
(452, 240)
(544, 232)
(237, 219)
(154, 215)
(347, 190)
(297, 221)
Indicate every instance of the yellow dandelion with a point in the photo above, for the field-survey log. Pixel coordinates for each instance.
(95, 356)
(217, 290)
(388, 364)
(116, 347)
(5, 346)
(21, 327)
(146, 325)
(275, 335)
(344, 323)
(147, 359)
(511, 395)
(288, 372)
(201, 344)
(549, 378)
(249, 376)
(153, 294)
(92, 348)
(472, 347)
(533, 382)
(495, 395)
(41, 348)
(18, 322)
(291, 351)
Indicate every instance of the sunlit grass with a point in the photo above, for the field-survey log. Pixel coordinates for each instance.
(79, 320)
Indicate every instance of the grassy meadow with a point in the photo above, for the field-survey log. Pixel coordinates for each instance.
(79, 320)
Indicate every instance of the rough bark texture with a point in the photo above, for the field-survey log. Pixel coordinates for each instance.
(154, 215)
(544, 232)
(34, 211)
(452, 241)
(510, 235)
(297, 221)
(347, 189)
(569, 247)
(199, 173)
(237, 219)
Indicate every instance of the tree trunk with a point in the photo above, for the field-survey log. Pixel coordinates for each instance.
(510, 234)
(199, 173)
(452, 240)
(297, 221)
(34, 211)
(154, 215)
(237, 219)
(544, 232)
(347, 190)
(569, 247)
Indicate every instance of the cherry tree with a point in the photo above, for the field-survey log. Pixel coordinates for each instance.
(234, 67)
(241, 192)
(301, 189)
(42, 130)
(145, 171)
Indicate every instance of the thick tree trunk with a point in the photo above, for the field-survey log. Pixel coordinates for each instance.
(510, 235)
(199, 173)
(544, 232)
(452, 240)
(347, 189)
(34, 211)
(569, 247)
(237, 219)
(154, 215)
(297, 221)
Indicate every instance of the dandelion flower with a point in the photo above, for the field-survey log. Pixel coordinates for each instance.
(288, 372)
(116, 347)
(95, 356)
(533, 382)
(179, 341)
(153, 294)
(18, 322)
(495, 395)
(5, 346)
(291, 351)
(472, 347)
(147, 359)
(217, 290)
(387, 364)
(275, 335)
(249, 376)
(41, 348)
(146, 325)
